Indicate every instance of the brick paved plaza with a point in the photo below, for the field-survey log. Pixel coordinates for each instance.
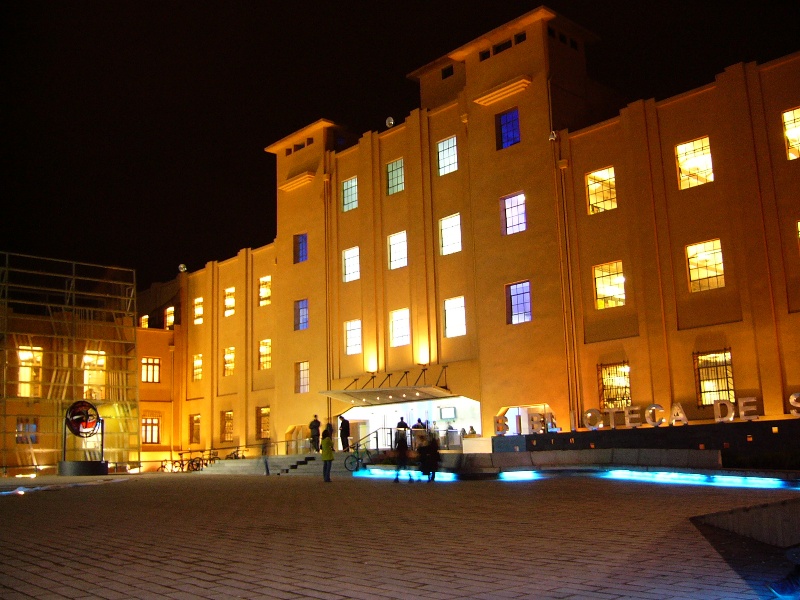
(187, 536)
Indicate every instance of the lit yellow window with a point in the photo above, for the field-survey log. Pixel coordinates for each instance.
(144, 321)
(169, 317)
(265, 290)
(198, 311)
(30, 371)
(714, 377)
(705, 266)
(609, 285)
(264, 354)
(94, 375)
(601, 190)
(230, 301)
(197, 367)
(615, 384)
(791, 133)
(694, 163)
(228, 361)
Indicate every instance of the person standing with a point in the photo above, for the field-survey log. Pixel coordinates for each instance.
(344, 433)
(401, 447)
(327, 456)
(314, 427)
(265, 454)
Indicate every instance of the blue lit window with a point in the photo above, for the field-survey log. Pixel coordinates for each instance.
(301, 314)
(300, 248)
(507, 126)
(518, 302)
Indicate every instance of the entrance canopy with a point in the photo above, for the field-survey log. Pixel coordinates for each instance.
(389, 395)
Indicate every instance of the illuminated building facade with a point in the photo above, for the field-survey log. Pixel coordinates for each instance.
(512, 247)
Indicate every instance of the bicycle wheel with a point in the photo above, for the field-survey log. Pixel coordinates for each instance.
(177, 466)
(195, 464)
(351, 462)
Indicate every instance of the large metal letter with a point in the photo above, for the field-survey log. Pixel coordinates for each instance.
(748, 409)
(593, 419)
(729, 412)
(678, 414)
(650, 415)
(612, 413)
(633, 416)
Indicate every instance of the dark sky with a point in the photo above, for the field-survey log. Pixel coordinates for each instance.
(133, 132)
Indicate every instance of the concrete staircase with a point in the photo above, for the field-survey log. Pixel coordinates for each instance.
(295, 464)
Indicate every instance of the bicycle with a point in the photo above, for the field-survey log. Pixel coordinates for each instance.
(238, 452)
(189, 464)
(360, 457)
(210, 457)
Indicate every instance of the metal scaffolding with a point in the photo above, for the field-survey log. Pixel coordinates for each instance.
(67, 333)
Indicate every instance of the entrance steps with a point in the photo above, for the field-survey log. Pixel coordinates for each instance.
(293, 464)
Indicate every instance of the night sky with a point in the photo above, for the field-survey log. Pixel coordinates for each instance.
(133, 132)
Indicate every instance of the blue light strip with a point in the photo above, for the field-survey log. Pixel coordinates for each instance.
(520, 476)
(371, 473)
(673, 478)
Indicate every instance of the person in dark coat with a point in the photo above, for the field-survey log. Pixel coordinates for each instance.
(401, 447)
(344, 433)
(429, 457)
(314, 427)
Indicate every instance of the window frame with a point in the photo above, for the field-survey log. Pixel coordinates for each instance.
(601, 190)
(265, 290)
(512, 315)
(455, 317)
(350, 194)
(607, 275)
(351, 264)
(698, 283)
(398, 250)
(511, 216)
(612, 394)
(302, 377)
(395, 177)
(399, 328)
(151, 430)
(301, 314)
(694, 151)
(229, 302)
(197, 311)
(447, 155)
(265, 354)
(353, 346)
(507, 128)
(151, 369)
(299, 248)
(450, 234)
(228, 361)
(706, 397)
(790, 119)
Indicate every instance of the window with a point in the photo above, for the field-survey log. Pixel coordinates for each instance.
(713, 375)
(519, 38)
(265, 290)
(198, 311)
(450, 234)
(455, 317)
(705, 266)
(609, 285)
(30, 371)
(601, 190)
(614, 381)
(262, 423)
(694, 163)
(197, 367)
(144, 321)
(447, 71)
(507, 128)
(194, 429)
(301, 314)
(448, 156)
(151, 370)
(300, 248)
(791, 133)
(395, 177)
(169, 317)
(301, 378)
(151, 430)
(501, 47)
(351, 269)
(514, 218)
(27, 430)
(264, 355)
(228, 361)
(352, 337)
(399, 328)
(518, 303)
(226, 426)
(94, 375)
(230, 301)
(398, 250)
(484, 55)
(349, 194)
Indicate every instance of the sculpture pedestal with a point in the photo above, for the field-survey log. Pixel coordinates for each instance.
(83, 467)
